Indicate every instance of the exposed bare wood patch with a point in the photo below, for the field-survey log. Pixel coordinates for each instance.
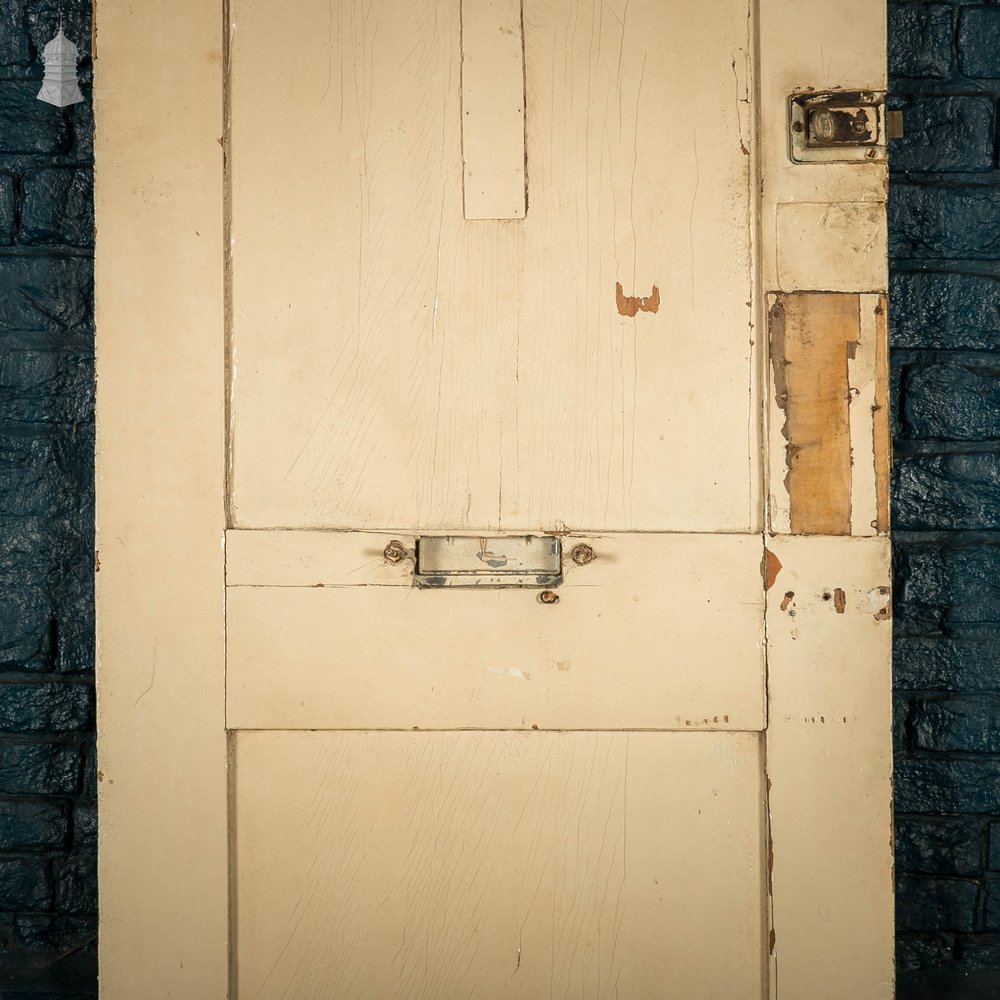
(840, 600)
(770, 566)
(629, 305)
(880, 418)
(813, 335)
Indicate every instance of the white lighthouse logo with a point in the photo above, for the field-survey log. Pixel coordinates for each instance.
(59, 85)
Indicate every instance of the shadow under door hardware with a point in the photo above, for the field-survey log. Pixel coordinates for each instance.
(837, 126)
(497, 561)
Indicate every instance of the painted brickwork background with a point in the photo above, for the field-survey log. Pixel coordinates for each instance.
(48, 907)
(945, 329)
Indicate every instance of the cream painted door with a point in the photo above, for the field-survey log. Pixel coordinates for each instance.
(492, 500)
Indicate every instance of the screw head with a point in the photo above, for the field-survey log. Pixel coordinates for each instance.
(582, 554)
(871, 154)
(394, 552)
(548, 597)
(798, 127)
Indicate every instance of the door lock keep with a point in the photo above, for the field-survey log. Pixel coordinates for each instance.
(837, 126)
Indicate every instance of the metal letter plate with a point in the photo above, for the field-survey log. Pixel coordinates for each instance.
(498, 561)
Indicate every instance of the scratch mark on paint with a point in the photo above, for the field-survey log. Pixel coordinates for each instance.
(629, 305)
(740, 100)
(510, 672)
(152, 676)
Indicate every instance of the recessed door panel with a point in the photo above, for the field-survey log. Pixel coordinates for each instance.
(396, 364)
(521, 865)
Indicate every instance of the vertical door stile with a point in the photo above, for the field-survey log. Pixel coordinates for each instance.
(828, 754)
(162, 778)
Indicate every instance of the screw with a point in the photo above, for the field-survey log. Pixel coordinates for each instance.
(859, 126)
(394, 552)
(582, 554)
(871, 153)
(798, 127)
(548, 597)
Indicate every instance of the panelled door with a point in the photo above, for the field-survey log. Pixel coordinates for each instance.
(493, 593)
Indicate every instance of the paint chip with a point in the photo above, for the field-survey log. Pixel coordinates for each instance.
(629, 305)
(839, 600)
(770, 566)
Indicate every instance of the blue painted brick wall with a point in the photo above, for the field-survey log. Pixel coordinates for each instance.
(944, 226)
(48, 878)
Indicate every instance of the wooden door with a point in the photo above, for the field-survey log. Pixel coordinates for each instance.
(492, 500)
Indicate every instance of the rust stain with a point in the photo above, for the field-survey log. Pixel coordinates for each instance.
(629, 305)
(839, 601)
(770, 566)
(771, 941)
(789, 597)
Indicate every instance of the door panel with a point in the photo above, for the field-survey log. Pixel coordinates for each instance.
(658, 632)
(498, 865)
(396, 365)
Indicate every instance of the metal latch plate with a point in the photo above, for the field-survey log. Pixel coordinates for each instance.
(497, 561)
(837, 126)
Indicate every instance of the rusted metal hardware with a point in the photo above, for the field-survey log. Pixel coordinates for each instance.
(394, 552)
(582, 554)
(837, 126)
(548, 597)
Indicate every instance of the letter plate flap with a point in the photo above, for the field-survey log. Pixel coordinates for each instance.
(499, 561)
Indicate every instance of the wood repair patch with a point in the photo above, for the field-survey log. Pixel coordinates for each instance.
(812, 337)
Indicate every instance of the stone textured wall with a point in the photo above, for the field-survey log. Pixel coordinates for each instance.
(944, 226)
(48, 902)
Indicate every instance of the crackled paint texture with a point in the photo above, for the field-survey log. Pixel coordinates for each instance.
(48, 817)
(944, 230)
